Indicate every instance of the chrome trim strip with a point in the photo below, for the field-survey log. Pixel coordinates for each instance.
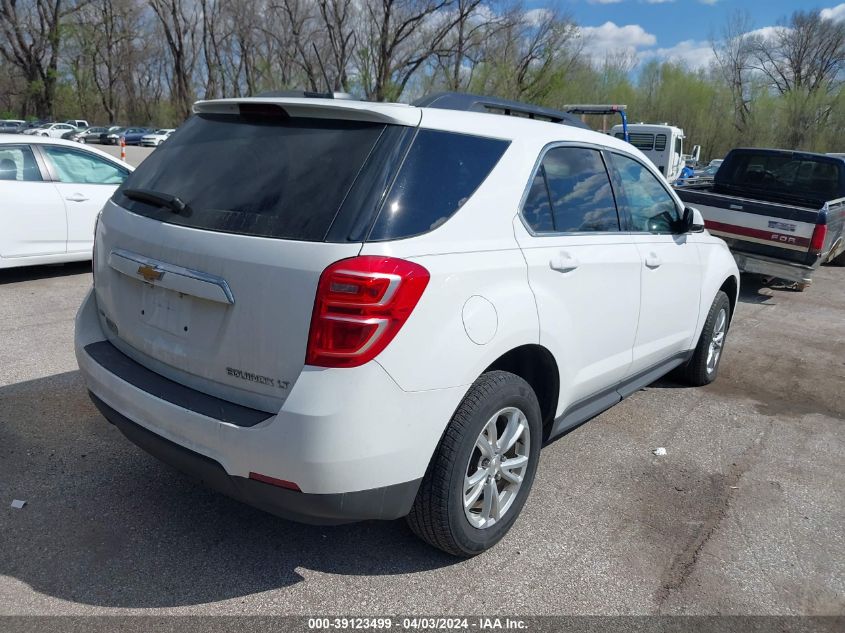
(176, 278)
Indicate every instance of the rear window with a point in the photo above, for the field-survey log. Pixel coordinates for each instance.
(440, 173)
(785, 174)
(643, 142)
(271, 176)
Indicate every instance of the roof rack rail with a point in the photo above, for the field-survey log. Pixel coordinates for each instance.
(493, 105)
(306, 94)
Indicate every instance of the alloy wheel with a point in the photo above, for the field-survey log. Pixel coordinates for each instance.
(496, 467)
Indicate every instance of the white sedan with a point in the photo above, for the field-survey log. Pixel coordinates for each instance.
(53, 130)
(156, 138)
(50, 194)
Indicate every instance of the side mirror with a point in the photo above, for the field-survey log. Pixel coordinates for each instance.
(693, 221)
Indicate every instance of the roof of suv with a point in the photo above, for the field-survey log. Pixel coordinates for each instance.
(469, 122)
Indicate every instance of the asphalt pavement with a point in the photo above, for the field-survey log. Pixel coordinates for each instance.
(744, 514)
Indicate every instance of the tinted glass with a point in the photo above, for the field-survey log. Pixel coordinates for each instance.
(650, 206)
(272, 176)
(440, 173)
(18, 163)
(537, 209)
(660, 142)
(579, 188)
(74, 166)
(641, 141)
(784, 173)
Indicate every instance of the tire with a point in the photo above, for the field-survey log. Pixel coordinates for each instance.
(438, 515)
(839, 260)
(701, 370)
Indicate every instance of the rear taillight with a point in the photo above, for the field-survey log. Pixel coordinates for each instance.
(817, 241)
(361, 304)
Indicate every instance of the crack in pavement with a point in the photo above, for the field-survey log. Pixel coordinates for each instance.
(685, 561)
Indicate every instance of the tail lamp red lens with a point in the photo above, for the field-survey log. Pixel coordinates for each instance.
(361, 304)
(817, 241)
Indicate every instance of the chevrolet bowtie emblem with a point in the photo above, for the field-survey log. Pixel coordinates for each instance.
(150, 273)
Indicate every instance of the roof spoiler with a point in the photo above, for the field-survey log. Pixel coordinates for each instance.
(494, 105)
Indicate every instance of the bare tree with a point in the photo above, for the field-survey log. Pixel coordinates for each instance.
(31, 41)
(337, 22)
(732, 54)
(178, 20)
(803, 59)
(398, 37)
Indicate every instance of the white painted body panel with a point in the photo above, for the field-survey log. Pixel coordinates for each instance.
(491, 290)
(47, 222)
(669, 301)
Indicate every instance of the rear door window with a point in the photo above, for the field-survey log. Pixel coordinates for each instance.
(74, 166)
(571, 193)
(440, 173)
(270, 176)
(18, 163)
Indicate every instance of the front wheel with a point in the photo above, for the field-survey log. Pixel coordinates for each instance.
(704, 365)
(483, 468)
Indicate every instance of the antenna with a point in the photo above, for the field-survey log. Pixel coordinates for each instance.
(329, 88)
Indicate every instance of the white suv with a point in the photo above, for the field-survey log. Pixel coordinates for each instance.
(337, 310)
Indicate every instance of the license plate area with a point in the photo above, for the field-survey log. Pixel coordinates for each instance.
(166, 310)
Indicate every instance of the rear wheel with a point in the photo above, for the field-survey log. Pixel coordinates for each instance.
(704, 365)
(483, 468)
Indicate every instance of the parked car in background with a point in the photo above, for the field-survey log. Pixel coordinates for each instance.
(51, 191)
(53, 130)
(781, 212)
(133, 135)
(11, 126)
(30, 125)
(552, 265)
(156, 138)
(78, 123)
(90, 135)
(112, 131)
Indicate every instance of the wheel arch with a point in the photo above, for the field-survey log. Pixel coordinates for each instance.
(537, 366)
(731, 288)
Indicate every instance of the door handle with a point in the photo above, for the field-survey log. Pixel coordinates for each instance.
(652, 260)
(563, 262)
(77, 197)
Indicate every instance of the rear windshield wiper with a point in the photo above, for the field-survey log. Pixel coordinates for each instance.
(155, 198)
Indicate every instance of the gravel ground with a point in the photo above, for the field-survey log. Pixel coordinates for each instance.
(743, 515)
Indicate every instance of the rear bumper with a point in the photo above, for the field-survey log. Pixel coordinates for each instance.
(352, 440)
(389, 502)
(767, 266)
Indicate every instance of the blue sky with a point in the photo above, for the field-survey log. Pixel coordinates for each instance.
(677, 29)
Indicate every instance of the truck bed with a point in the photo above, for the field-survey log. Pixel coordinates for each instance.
(781, 239)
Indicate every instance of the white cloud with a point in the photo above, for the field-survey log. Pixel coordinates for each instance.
(658, 1)
(610, 39)
(604, 1)
(837, 13)
(536, 16)
(690, 53)
(767, 32)
(708, 2)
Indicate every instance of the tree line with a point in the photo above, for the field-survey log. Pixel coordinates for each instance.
(147, 61)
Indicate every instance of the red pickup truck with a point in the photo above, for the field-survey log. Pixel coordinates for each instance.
(782, 213)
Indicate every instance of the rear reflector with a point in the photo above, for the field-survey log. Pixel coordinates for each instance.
(360, 306)
(817, 241)
(281, 483)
